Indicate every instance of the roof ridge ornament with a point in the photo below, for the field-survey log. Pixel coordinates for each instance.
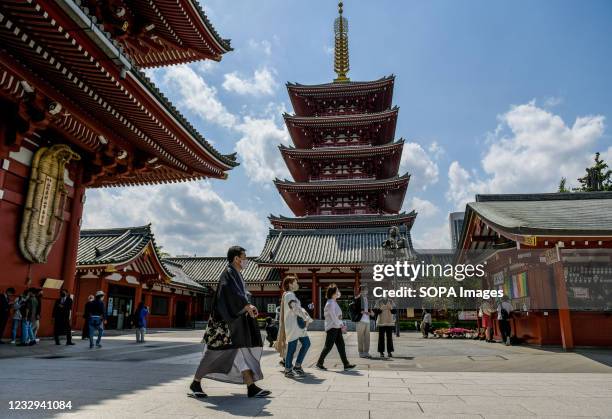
(341, 51)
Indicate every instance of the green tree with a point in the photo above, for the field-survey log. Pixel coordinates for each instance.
(562, 185)
(598, 177)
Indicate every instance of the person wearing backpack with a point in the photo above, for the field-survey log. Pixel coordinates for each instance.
(504, 312)
(361, 315)
(295, 322)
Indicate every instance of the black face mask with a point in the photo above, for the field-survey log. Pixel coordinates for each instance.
(63, 295)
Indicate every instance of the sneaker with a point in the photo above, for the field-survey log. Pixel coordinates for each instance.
(364, 355)
(299, 371)
(196, 390)
(70, 343)
(289, 373)
(98, 345)
(281, 362)
(508, 342)
(37, 340)
(254, 391)
(90, 346)
(389, 355)
(32, 343)
(349, 367)
(13, 342)
(382, 355)
(321, 367)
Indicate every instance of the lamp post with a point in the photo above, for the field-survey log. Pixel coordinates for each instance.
(395, 243)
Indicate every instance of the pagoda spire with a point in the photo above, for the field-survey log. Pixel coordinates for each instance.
(341, 52)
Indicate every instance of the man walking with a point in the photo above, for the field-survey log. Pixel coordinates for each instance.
(5, 306)
(61, 317)
(504, 311)
(361, 315)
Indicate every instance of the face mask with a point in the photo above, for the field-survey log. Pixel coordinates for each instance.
(244, 263)
(338, 294)
(295, 286)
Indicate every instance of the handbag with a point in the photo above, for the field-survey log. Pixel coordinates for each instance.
(301, 323)
(217, 334)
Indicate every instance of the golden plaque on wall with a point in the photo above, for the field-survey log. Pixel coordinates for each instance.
(44, 207)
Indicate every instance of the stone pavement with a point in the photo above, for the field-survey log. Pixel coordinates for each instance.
(426, 378)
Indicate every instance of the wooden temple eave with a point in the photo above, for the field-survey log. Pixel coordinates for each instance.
(60, 58)
(332, 186)
(342, 120)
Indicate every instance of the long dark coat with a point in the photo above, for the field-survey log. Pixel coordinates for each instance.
(231, 298)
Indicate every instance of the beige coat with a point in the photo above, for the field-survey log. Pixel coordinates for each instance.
(385, 318)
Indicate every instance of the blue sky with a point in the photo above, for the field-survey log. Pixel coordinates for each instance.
(494, 97)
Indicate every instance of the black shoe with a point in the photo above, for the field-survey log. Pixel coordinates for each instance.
(289, 374)
(57, 343)
(321, 367)
(196, 390)
(389, 355)
(32, 343)
(69, 343)
(382, 355)
(281, 362)
(299, 371)
(254, 391)
(349, 367)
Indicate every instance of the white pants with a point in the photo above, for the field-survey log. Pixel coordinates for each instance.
(363, 337)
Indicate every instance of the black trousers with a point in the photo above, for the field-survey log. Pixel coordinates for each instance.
(3, 321)
(388, 332)
(333, 336)
(505, 329)
(61, 327)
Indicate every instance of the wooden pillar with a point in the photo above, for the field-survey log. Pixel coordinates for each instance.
(357, 280)
(565, 321)
(72, 235)
(315, 293)
(171, 309)
(138, 295)
(190, 308)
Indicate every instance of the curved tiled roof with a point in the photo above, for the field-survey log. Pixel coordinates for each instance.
(340, 87)
(324, 152)
(334, 247)
(348, 184)
(340, 120)
(344, 221)
(180, 276)
(207, 270)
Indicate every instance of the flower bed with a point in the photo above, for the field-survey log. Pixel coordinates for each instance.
(454, 332)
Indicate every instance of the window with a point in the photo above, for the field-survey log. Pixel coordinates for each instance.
(159, 306)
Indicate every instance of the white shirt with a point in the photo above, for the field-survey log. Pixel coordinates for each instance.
(333, 315)
(291, 313)
(365, 317)
(427, 318)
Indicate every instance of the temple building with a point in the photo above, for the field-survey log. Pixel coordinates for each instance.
(346, 191)
(551, 254)
(125, 263)
(77, 112)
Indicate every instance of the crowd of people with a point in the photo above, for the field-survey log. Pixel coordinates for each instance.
(25, 312)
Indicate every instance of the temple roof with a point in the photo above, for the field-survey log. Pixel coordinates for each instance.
(119, 247)
(180, 276)
(159, 32)
(343, 221)
(348, 87)
(578, 214)
(343, 185)
(324, 247)
(207, 270)
(105, 100)
(341, 152)
(342, 120)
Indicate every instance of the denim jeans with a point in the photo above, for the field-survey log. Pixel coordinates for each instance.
(95, 323)
(26, 331)
(15, 328)
(291, 347)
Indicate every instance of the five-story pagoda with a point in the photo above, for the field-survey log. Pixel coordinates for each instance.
(346, 191)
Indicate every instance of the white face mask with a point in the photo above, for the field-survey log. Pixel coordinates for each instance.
(338, 294)
(295, 286)
(244, 263)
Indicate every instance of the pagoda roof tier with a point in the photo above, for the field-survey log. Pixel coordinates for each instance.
(304, 97)
(304, 128)
(299, 160)
(109, 109)
(350, 247)
(159, 32)
(391, 191)
(343, 221)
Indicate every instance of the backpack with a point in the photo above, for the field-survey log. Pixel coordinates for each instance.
(504, 314)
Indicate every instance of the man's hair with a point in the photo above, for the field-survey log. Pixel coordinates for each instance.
(331, 290)
(10, 290)
(234, 251)
(289, 279)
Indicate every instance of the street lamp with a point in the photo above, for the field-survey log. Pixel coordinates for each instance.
(395, 243)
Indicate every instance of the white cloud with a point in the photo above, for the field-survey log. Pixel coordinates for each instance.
(419, 164)
(263, 46)
(187, 218)
(197, 96)
(262, 82)
(425, 208)
(436, 237)
(436, 150)
(536, 151)
(552, 101)
(328, 49)
(258, 148)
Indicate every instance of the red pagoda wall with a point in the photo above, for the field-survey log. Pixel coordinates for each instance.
(16, 270)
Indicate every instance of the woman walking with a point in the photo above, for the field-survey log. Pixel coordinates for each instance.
(294, 321)
(233, 340)
(85, 332)
(334, 328)
(385, 308)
